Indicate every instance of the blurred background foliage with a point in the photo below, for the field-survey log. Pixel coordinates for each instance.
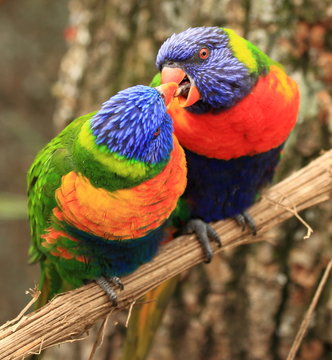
(60, 59)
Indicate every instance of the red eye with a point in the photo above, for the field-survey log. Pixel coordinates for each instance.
(156, 133)
(204, 53)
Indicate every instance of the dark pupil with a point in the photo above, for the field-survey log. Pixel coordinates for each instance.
(157, 132)
(203, 53)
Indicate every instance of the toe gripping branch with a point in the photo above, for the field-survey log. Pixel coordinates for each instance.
(106, 285)
(204, 233)
(246, 220)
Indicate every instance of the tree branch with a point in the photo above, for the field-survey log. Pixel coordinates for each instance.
(70, 314)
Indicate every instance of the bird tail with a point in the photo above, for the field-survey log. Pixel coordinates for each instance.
(145, 320)
(50, 283)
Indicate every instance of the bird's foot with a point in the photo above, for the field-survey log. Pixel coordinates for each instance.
(106, 285)
(246, 220)
(204, 232)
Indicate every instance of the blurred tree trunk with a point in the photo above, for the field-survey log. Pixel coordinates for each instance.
(248, 303)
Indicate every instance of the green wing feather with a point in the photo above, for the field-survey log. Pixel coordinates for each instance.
(44, 177)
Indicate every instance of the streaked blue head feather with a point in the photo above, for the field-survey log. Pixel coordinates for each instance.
(134, 123)
(221, 78)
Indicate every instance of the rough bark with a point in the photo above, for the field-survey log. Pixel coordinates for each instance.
(112, 45)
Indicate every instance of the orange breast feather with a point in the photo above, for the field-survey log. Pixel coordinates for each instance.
(126, 213)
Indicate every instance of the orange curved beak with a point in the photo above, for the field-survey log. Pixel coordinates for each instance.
(169, 74)
(167, 91)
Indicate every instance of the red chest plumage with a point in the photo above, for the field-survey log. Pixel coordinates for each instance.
(258, 123)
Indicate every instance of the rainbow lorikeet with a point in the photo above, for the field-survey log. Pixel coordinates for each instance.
(234, 112)
(101, 191)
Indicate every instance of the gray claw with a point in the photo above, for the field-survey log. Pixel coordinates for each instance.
(107, 287)
(204, 232)
(116, 281)
(239, 218)
(245, 219)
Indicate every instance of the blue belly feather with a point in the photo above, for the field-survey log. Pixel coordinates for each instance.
(115, 257)
(219, 189)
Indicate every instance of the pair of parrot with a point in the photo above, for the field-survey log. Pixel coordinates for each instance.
(102, 192)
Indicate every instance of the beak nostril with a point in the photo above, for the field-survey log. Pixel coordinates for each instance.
(169, 63)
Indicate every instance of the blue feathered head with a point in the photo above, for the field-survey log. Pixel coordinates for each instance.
(134, 123)
(208, 57)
